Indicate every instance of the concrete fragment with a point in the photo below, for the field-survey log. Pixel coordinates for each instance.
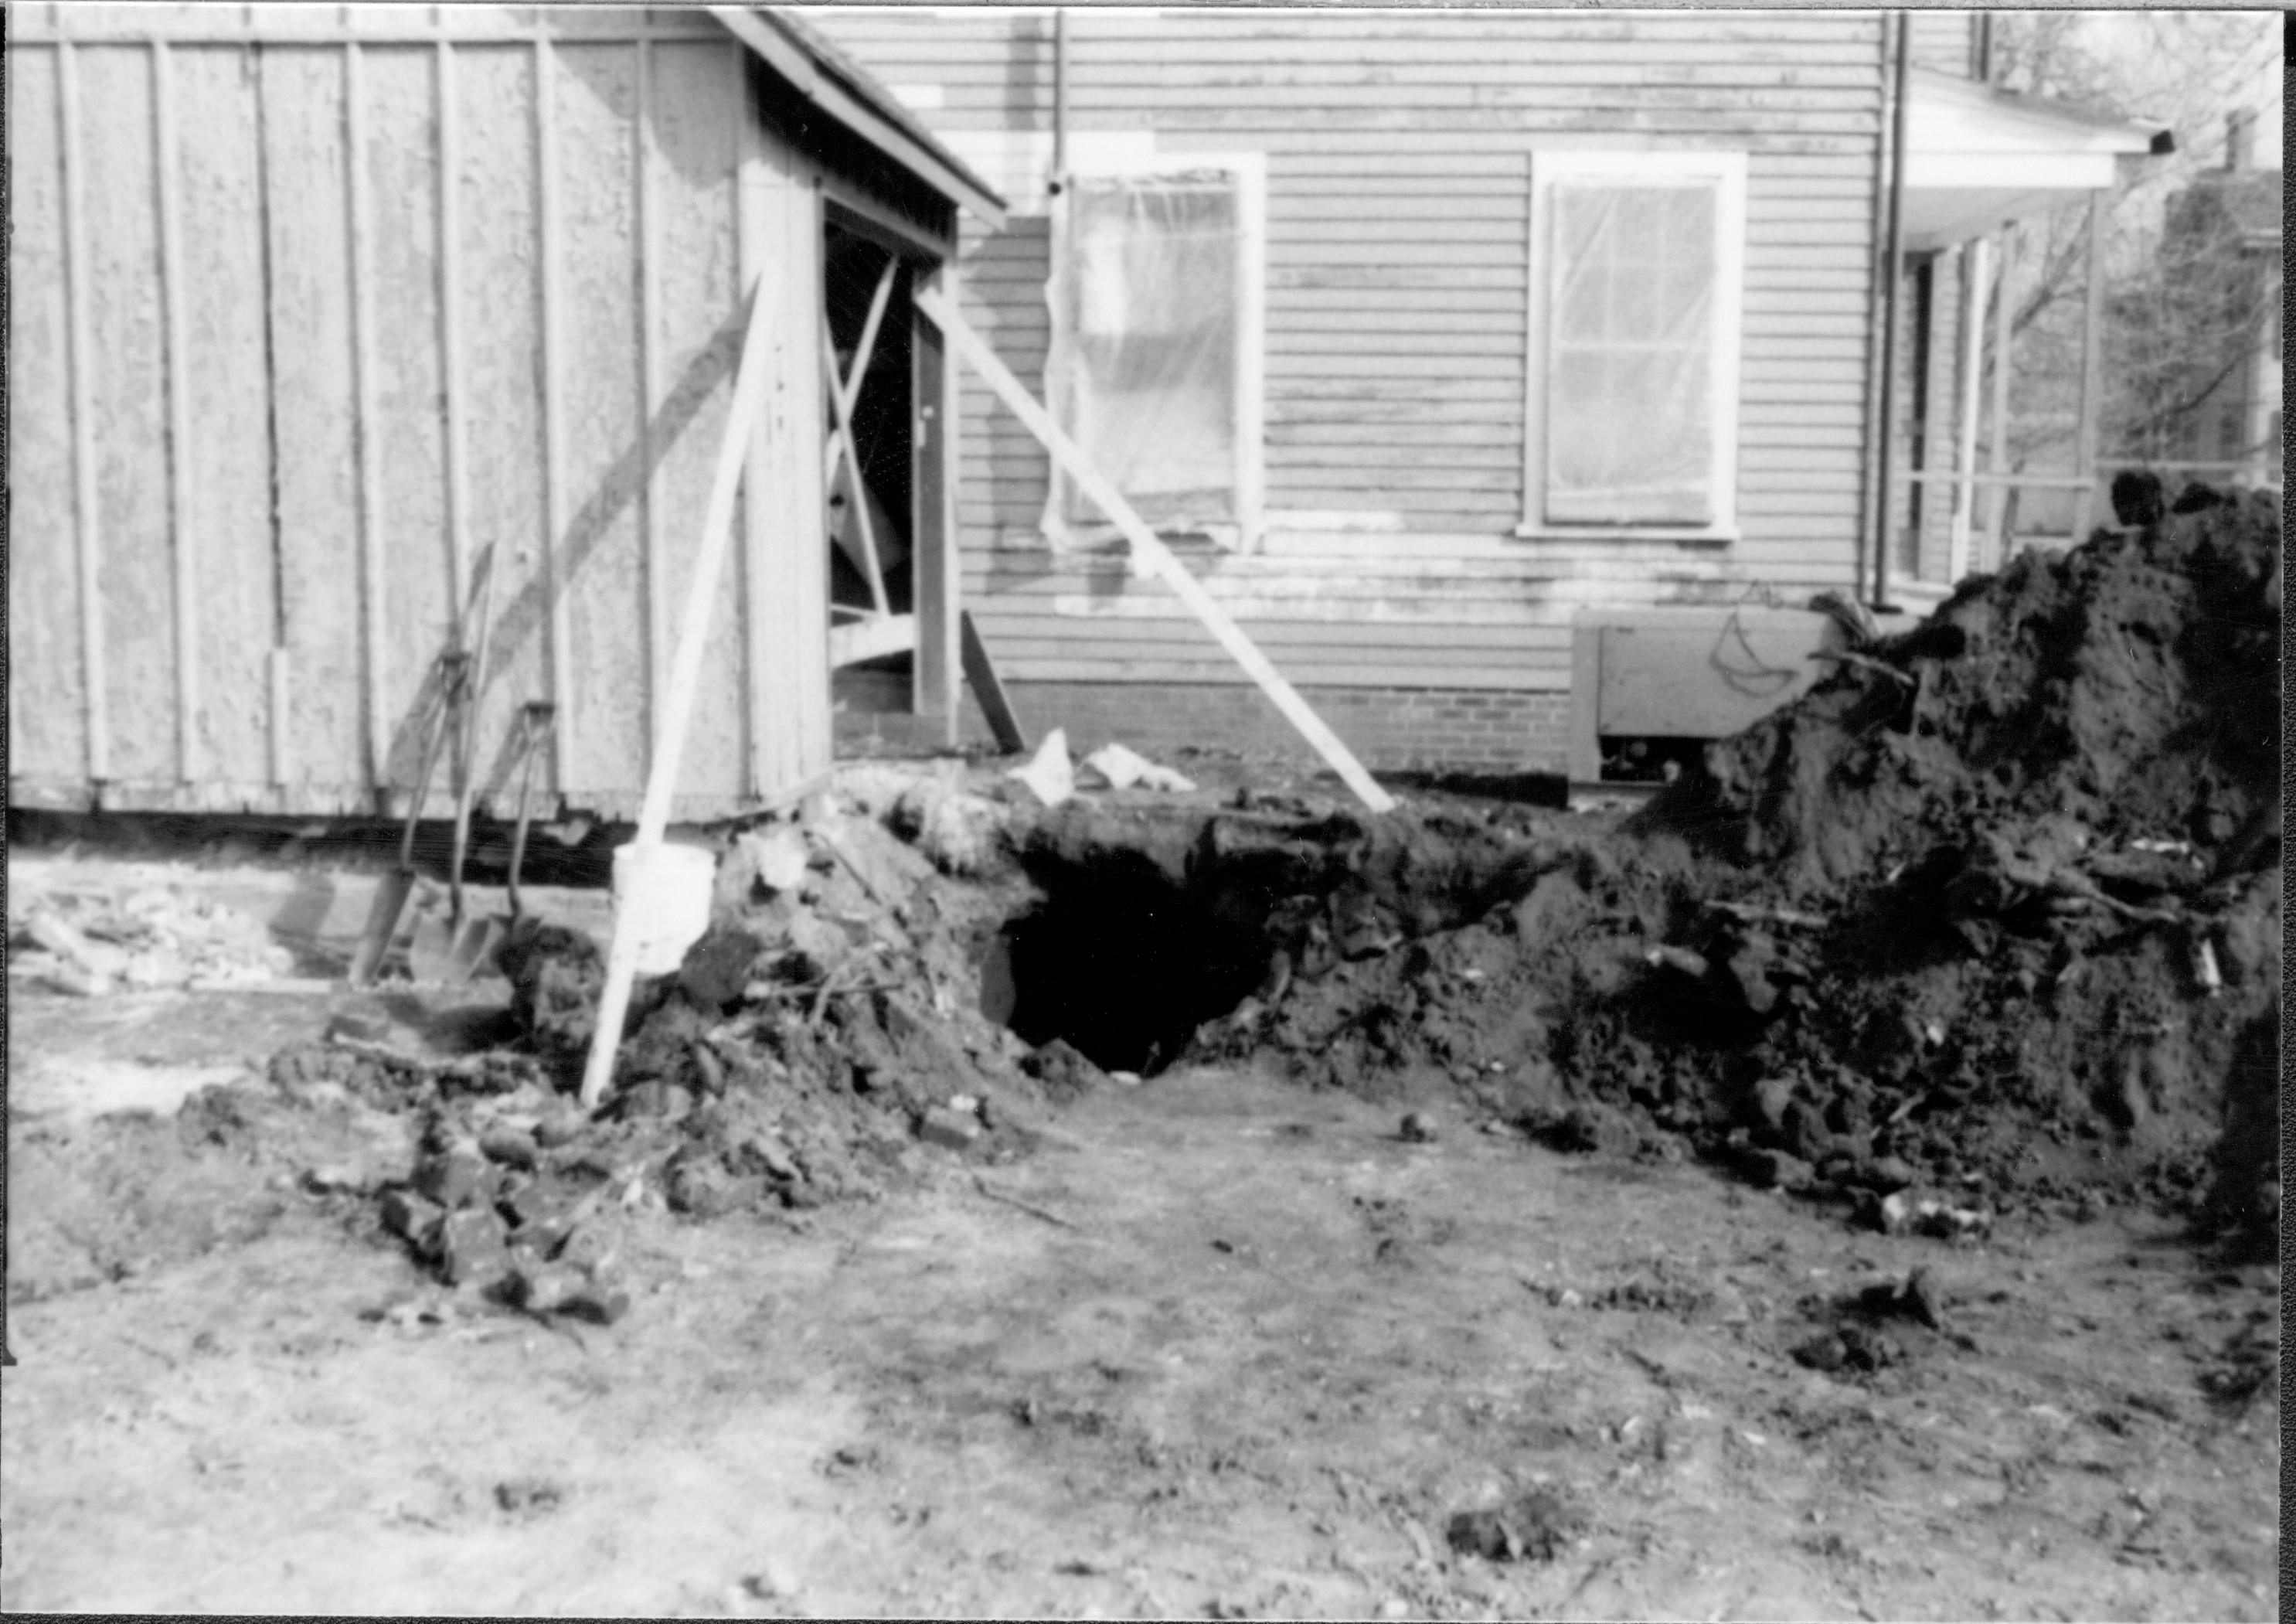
(450, 1178)
(474, 1246)
(413, 1218)
(1049, 777)
(509, 1147)
(954, 1130)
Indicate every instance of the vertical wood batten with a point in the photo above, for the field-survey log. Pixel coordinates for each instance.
(370, 504)
(185, 550)
(749, 250)
(461, 565)
(553, 423)
(77, 270)
(936, 687)
(657, 584)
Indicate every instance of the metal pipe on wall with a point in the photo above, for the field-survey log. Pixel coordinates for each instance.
(1060, 103)
(1893, 256)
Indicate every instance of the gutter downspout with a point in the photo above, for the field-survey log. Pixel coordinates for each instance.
(1884, 455)
(1060, 103)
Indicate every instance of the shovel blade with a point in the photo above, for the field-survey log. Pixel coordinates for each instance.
(430, 950)
(383, 917)
(476, 946)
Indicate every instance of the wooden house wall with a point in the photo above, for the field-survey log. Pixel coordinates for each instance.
(1398, 153)
(313, 306)
(1943, 40)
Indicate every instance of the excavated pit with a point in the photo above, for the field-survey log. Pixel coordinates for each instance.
(1989, 921)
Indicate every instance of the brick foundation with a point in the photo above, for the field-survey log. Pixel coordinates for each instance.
(1389, 729)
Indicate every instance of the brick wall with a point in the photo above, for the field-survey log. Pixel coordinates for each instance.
(1389, 729)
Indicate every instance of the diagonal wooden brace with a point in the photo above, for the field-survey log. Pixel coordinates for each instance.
(685, 675)
(1150, 551)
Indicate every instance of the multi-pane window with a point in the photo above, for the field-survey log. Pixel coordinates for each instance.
(1636, 266)
(1153, 366)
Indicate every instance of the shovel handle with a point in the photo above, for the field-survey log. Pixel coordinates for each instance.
(534, 719)
(450, 673)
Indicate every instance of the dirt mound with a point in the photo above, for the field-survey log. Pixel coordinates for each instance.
(2129, 685)
(1989, 919)
(827, 1023)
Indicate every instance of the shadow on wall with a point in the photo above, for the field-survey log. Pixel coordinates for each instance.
(527, 614)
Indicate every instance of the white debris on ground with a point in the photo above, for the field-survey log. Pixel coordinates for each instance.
(1052, 776)
(1127, 768)
(1049, 774)
(155, 937)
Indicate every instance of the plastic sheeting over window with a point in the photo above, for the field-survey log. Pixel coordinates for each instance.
(1148, 326)
(1631, 417)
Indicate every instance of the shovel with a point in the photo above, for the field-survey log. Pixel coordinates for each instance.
(480, 940)
(430, 953)
(390, 896)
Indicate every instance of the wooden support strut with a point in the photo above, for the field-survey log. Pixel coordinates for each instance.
(844, 394)
(1151, 552)
(844, 436)
(685, 674)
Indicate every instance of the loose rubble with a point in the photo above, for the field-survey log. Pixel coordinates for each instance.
(153, 938)
(1986, 923)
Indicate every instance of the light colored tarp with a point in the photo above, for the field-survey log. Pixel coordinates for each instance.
(1142, 370)
(1630, 416)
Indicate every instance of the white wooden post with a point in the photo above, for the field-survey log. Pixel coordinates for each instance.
(1150, 551)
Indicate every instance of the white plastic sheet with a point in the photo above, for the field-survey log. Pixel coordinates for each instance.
(1145, 295)
(1630, 420)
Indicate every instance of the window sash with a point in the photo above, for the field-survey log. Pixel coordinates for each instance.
(1631, 377)
(1155, 362)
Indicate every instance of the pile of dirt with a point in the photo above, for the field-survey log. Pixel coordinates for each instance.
(825, 1024)
(1988, 919)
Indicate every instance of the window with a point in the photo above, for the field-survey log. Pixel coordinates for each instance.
(1154, 363)
(1631, 405)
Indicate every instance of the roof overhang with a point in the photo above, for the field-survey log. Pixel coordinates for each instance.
(1977, 156)
(846, 93)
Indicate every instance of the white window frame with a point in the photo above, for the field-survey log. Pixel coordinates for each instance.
(1251, 171)
(1620, 169)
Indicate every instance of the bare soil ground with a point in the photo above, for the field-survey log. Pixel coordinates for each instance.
(1220, 1346)
(1850, 1188)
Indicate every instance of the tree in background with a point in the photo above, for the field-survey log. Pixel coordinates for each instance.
(2180, 316)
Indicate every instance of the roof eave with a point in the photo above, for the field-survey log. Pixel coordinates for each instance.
(778, 46)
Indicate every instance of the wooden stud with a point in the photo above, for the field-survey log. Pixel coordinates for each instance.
(1151, 552)
(364, 369)
(462, 566)
(168, 181)
(78, 271)
(554, 417)
(936, 676)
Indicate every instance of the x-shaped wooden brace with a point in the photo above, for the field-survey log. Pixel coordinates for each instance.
(843, 393)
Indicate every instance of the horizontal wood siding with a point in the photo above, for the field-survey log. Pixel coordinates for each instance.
(301, 453)
(1398, 151)
(1941, 39)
